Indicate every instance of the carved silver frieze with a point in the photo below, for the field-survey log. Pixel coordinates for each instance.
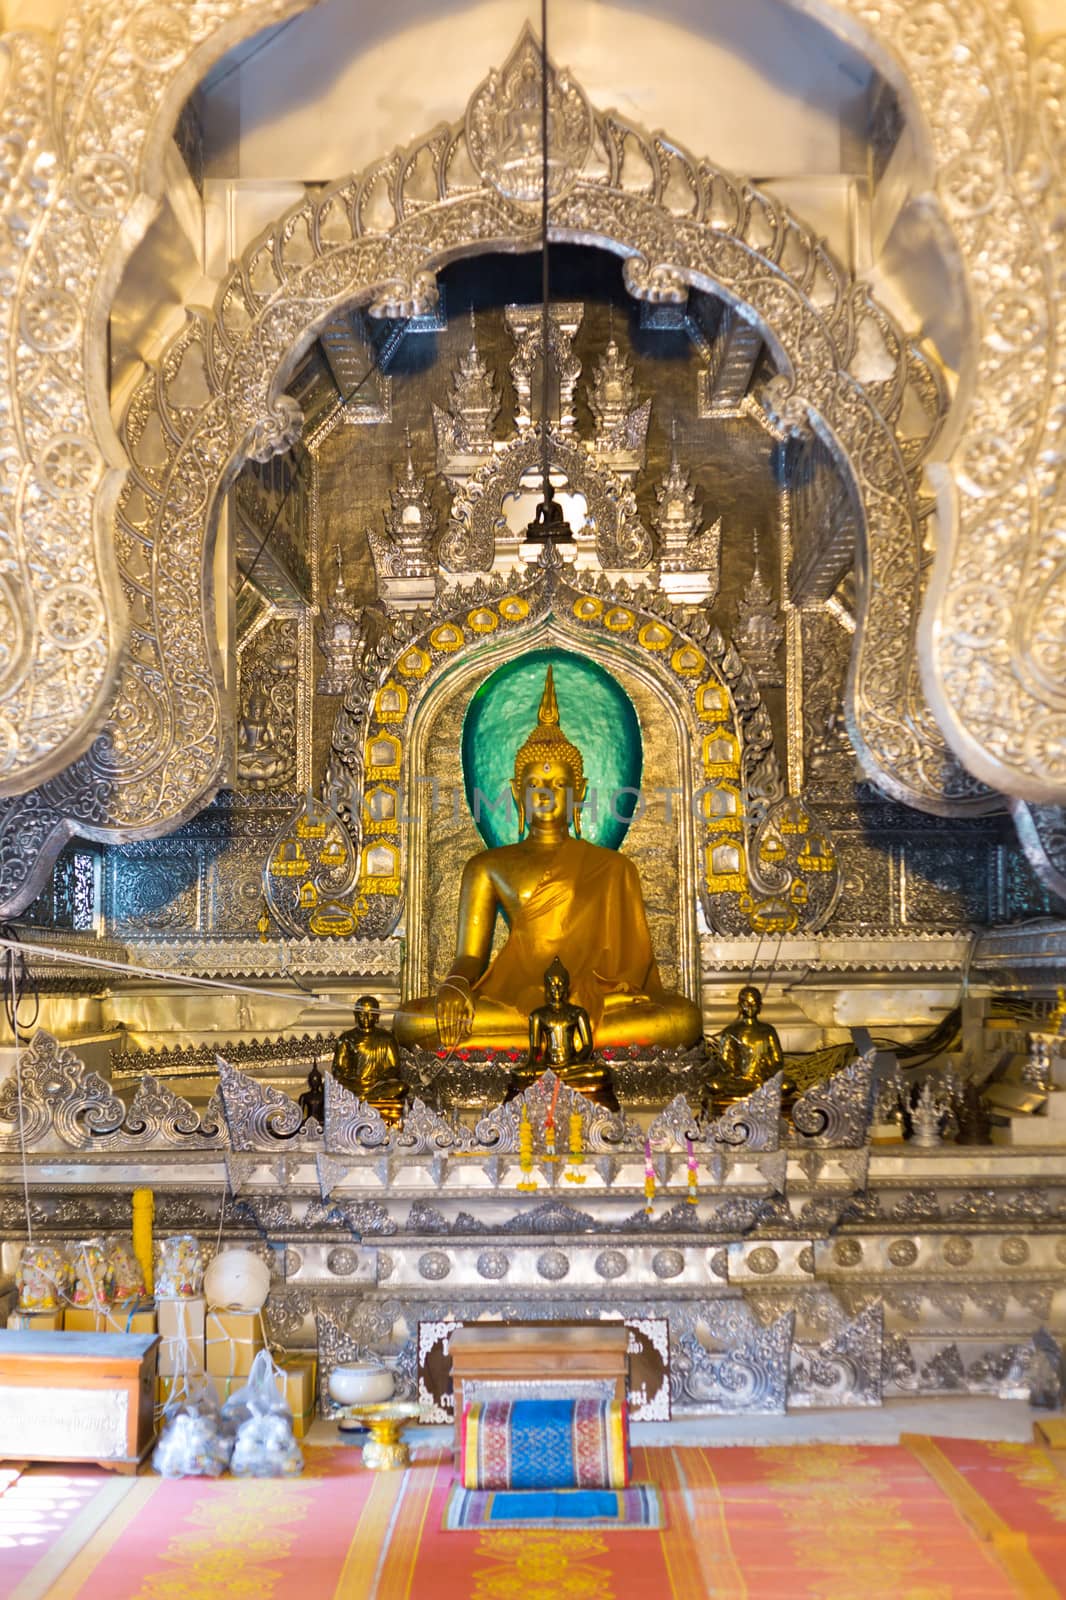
(759, 632)
(688, 552)
(749, 1374)
(406, 547)
(525, 325)
(464, 432)
(477, 537)
(620, 439)
(503, 125)
(844, 1368)
(837, 1112)
(267, 731)
(259, 1116)
(52, 1098)
(338, 632)
(753, 1123)
(352, 1126)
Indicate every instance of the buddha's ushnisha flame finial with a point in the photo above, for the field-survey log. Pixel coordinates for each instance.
(548, 742)
(548, 715)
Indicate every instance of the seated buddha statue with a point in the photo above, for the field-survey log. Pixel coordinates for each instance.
(560, 1037)
(561, 896)
(366, 1061)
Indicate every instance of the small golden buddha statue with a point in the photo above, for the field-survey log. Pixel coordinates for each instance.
(749, 1053)
(558, 893)
(367, 1061)
(560, 1037)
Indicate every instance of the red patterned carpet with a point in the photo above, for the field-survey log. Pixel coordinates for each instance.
(924, 1520)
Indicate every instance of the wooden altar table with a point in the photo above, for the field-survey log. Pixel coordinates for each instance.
(497, 1352)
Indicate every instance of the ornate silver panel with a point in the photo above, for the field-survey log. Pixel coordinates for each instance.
(213, 398)
(837, 1112)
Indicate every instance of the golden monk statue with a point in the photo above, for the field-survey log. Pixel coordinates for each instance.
(561, 896)
(749, 1052)
(367, 1061)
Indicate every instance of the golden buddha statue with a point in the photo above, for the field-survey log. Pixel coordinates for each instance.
(560, 895)
(367, 1061)
(560, 1037)
(749, 1053)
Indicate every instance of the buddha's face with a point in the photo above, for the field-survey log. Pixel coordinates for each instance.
(557, 988)
(750, 1003)
(367, 1013)
(547, 791)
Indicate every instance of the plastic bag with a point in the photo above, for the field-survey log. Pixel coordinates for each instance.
(126, 1271)
(261, 1395)
(266, 1448)
(93, 1283)
(179, 1269)
(43, 1277)
(193, 1443)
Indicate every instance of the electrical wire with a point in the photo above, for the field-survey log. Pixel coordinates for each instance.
(132, 969)
(545, 467)
(17, 981)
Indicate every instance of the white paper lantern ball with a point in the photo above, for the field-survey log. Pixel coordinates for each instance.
(239, 1279)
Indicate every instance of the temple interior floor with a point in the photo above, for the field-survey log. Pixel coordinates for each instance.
(945, 1498)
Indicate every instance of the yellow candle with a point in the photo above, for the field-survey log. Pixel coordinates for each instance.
(143, 1213)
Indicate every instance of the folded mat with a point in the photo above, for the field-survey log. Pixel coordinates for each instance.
(544, 1444)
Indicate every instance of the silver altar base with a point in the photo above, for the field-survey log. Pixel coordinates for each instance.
(813, 1269)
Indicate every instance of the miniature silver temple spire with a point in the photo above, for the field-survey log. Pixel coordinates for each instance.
(688, 554)
(759, 634)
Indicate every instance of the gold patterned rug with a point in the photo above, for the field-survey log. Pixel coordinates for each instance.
(942, 1519)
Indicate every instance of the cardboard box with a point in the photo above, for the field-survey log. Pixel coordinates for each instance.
(109, 1319)
(298, 1387)
(37, 1321)
(186, 1388)
(300, 1374)
(232, 1342)
(181, 1329)
(127, 1319)
(83, 1319)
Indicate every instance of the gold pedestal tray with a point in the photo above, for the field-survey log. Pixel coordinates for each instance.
(385, 1450)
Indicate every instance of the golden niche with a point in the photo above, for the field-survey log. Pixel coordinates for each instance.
(562, 897)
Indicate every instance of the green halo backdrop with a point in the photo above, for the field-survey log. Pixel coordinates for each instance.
(595, 714)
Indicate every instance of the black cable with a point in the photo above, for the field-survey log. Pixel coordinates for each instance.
(545, 467)
(18, 984)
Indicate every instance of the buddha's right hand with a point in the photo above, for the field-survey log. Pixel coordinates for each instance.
(455, 1012)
